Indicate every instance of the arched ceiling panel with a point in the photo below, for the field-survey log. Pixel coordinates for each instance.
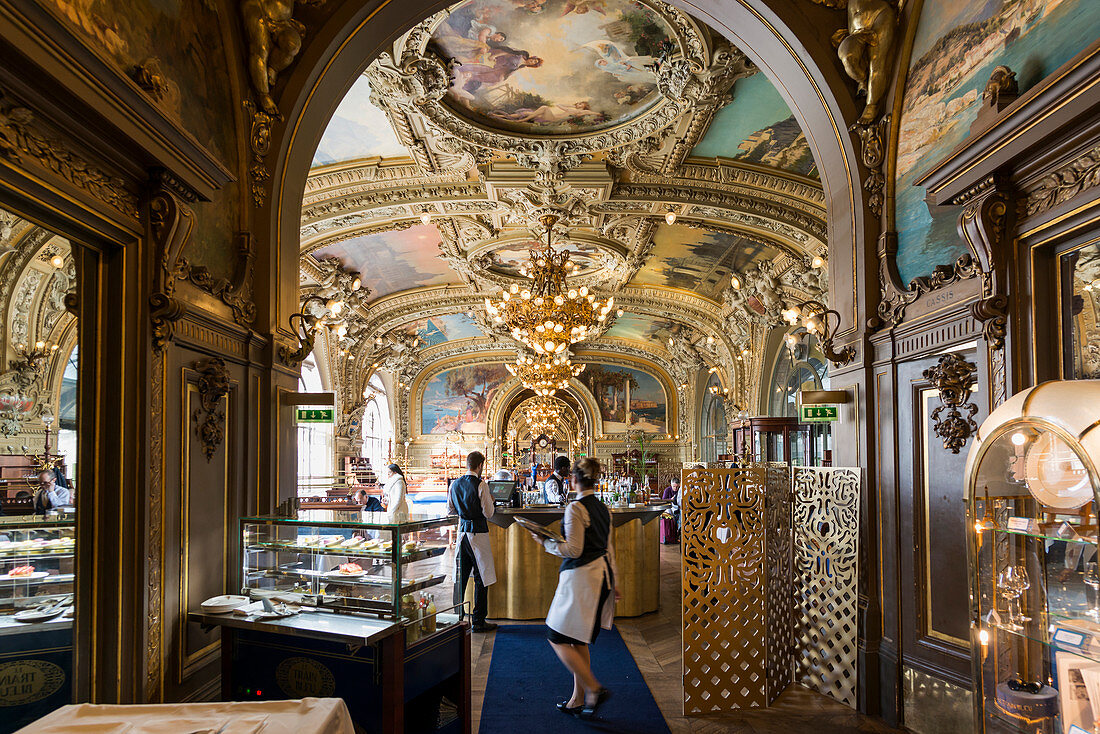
(358, 130)
(447, 327)
(758, 127)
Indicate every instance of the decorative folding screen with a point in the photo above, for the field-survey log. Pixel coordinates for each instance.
(769, 584)
(729, 576)
(826, 550)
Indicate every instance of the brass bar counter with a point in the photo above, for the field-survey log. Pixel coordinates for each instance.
(527, 575)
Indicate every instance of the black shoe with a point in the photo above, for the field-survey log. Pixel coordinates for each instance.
(589, 711)
(572, 711)
(484, 627)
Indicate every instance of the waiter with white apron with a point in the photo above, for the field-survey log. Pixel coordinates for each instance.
(585, 599)
(469, 497)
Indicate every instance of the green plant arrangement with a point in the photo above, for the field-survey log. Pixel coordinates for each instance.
(640, 463)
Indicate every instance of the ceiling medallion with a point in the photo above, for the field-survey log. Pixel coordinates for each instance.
(545, 375)
(548, 316)
(543, 415)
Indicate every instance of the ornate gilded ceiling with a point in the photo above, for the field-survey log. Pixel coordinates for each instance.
(617, 116)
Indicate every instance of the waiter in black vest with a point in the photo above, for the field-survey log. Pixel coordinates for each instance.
(469, 497)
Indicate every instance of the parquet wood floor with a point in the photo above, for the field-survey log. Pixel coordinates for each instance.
(654, 641)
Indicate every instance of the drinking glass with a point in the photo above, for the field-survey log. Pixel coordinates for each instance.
(1010, 586)
(1092, 590)
(1023, 583)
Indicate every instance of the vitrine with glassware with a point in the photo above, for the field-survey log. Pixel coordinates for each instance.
(1032, 486)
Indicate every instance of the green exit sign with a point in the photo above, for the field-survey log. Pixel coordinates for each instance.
(818, 413)
(316, 415)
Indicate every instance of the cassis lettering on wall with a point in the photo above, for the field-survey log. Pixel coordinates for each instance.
(27, 681)
(949, 295)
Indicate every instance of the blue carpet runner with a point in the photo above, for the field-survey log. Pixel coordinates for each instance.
(526, 679)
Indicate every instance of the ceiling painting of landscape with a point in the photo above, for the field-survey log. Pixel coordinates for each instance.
(640, 328)
(698, 261)
(629, 399)
(440, 329)
(758, 127)
(358, 130)
(552, 66)
(956, 48)
(508, 260)
(458, 399)
(394, 261)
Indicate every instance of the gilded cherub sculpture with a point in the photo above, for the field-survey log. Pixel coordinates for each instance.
(274, 40)
(866, 48)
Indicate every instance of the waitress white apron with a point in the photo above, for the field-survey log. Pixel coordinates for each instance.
(577, 599)
(483, 556)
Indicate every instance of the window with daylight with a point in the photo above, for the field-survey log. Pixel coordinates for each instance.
(316, 441)
(377, 426)
(715, 428)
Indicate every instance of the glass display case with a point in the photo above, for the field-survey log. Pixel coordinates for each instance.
(351, 562)
(36, 568)
(1035, 588)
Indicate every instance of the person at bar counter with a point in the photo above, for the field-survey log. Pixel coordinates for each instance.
(553, 489)
(670, 526)
(50, 494)
(585, 598)
(469, 498)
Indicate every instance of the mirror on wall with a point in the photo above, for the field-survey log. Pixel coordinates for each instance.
(39, 473)
(1081, 313)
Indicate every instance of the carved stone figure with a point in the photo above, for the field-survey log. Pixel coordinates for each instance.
(866, 48)
(274, 39)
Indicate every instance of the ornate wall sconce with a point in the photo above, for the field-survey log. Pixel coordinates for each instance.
(821, 322)
(304, 324)
(953, 377)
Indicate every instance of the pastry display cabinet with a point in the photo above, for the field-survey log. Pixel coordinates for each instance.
(393, 570)
(1032, 486)
(36, 566)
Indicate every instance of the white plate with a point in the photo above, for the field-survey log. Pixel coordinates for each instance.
(223, 603)
(36, 615)
(342, 575)
(35, 575)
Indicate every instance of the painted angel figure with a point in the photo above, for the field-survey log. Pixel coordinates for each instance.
(614, 59)
(580, 7)
(549, 114)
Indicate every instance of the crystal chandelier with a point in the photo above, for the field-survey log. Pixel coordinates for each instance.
(545, 374)
(548, 316)
(543, 414)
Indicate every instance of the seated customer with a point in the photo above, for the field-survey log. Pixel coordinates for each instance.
(670, 530)
(50, 496)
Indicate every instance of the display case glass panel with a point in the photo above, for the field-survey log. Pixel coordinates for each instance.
(351, 561)
(36, 569)
(1035, 586)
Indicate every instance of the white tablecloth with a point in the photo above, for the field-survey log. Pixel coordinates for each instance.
(302, 716)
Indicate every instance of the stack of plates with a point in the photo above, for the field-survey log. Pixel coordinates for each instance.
(223, 604)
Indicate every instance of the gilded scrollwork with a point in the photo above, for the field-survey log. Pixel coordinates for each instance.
(953, 376)
(170, 222)
(1064, 184)
(209, 418)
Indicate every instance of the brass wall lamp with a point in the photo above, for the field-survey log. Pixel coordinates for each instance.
(822, 322)
(304, 325)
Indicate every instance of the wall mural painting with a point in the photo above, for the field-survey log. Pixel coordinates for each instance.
(552, 66)
(358, 129)
(640, 328)
(758, 127)
(628, 398)
(458, 399)
(956, 48)
(507, 260)
(1083, 305)
(394, 261)
(449, 327)
(698, 261)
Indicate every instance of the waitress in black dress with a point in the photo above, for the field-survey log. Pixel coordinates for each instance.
(585, 599)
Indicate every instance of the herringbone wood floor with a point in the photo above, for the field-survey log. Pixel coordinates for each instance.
(654, 641)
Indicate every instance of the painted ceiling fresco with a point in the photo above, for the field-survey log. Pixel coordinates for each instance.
(758, 127)
(640, 328)
(507, 260)
(358, 129)
(394, 261)
(957, 46)
(449, 327)
(697, 260)
(458, 399)
(552, 66)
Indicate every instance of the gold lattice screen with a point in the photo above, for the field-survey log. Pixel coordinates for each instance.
(826, 550)
(732, 566)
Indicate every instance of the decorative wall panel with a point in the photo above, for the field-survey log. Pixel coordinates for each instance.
(724, 637)
(826, 538)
